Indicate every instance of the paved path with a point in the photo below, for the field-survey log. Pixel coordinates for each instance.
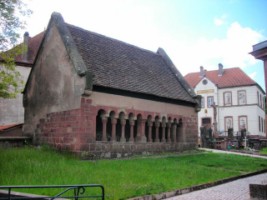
(235, 190)
(231, 152)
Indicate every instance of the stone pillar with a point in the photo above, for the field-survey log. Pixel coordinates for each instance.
(169, 125)
(143, 130)
(174, 128)
(123, 122)
(157, 124)
(163, 125)
(113, 132)
(104, 128)
(150, 124)
(181, 132)
(131, 121)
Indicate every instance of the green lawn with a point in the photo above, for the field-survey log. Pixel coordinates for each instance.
(121, 178)
(264, 151)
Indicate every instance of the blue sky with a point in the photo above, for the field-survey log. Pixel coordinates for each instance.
(194, 33)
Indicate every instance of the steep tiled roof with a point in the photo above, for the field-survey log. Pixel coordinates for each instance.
(33, 46)
(232, 77)
(119, 65)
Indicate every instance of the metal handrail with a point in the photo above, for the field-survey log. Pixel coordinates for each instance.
(79, 191)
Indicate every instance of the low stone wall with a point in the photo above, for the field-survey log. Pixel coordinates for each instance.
(120, 150)
(14, 141)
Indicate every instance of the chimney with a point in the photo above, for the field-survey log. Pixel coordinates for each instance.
(26, 43)
(202, 72)
(220, 71)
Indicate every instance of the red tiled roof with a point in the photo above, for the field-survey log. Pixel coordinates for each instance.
(232, 77)
(5, 127)
(33, 46)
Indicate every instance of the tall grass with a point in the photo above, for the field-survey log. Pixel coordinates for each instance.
(121, 178)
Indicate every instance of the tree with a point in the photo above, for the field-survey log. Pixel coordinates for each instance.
(12, 21)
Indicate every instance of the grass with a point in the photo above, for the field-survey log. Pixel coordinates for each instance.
(263, 151)
(121, 178)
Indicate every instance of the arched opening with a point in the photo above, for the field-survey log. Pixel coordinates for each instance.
(127, 130)
(109, 125)
(99, 125)
(120, 125)
(174, 130)
(180, 134)
(118, 130)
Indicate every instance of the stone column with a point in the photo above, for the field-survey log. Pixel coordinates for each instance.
(174, 128)
(131, 121)
(169, 125)
(157, 124)
(150, 124)
(123, 122)
(163, 125)
(143, 130)
(104, 128)
(113, 132)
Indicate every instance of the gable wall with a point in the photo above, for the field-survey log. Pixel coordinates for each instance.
(53, 85)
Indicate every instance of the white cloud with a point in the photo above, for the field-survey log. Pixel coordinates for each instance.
(232, 50)
(218, 21)
(253, 75)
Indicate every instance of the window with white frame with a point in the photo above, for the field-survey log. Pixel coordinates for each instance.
(260, 101)
(210, 101)
(259, 118)
(241, 97)
(242, 121)
(258, 97)
(227, 98)
(228, 123)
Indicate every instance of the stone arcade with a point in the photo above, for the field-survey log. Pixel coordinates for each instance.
(101, 97)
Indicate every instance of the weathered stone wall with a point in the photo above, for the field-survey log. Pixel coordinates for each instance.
(53, 85)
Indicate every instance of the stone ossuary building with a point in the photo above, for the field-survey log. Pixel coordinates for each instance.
(90, 93)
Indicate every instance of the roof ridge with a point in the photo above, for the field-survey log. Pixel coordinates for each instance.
(110, 38)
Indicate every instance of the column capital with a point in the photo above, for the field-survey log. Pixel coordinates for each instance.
(150, 123)
(157, 123)
(131, 122)
(123, 121)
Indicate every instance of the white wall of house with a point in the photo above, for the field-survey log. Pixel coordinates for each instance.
(209, 92)
(11, 110)
(248, 110)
